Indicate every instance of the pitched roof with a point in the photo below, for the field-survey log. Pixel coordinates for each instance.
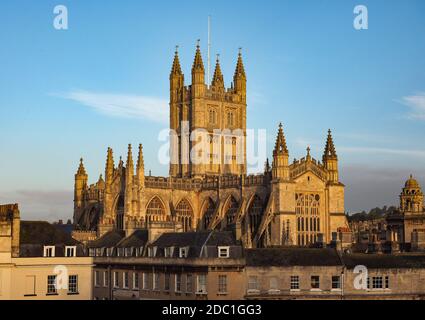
(137, 239)
(286, 257)
(108, 240)
(44, 233)
(383, 261)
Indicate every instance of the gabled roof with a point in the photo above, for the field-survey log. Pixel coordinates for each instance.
(44, 233)
(288, 257)
(108, 240)
(137, 239)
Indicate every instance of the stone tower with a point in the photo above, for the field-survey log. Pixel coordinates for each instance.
(207, 121)
(411, 198)
(80, 185)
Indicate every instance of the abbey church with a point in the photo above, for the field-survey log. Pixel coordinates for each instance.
(297, 203)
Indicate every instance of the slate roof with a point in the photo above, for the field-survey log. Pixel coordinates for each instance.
(384, 261)
(195, 241)
(287, 257)
(43, 233)
(209, 238)
(108, 240)
(137, 239)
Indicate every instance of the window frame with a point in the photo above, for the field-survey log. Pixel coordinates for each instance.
(50, 249)
(73, 250)
(52, 285)
(73, 284)
(226, 251)
(295, 283)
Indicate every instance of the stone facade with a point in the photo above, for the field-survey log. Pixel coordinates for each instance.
(298, 203)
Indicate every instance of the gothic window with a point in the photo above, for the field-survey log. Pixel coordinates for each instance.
(230, 119)
(308, 218)
(155, 210)
(184, 214)
(231, 210)
(254, 214)
(212, 116)
(208, 213)
(120, 213)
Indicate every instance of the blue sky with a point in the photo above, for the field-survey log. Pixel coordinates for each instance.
(306, 66)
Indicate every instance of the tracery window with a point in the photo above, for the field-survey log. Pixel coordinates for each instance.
(208, 213)
(155, 210)
(308, 218)
(184, 214)
(231, 210)
(254, 214)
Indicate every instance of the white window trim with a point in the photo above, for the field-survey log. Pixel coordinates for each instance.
(105, 279)
(198, 291)
(175, 283)
(46, 248)
(227, 252)
(136, 287)
(184, 250)
(115, 278)
(124, 285)
(74, 251)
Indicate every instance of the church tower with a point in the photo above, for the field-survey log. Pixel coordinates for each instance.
(411, 198)
(208, 121)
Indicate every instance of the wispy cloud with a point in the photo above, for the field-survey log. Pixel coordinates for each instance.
(388, 151)
(416, 103)
(122, 105)
(49, 205)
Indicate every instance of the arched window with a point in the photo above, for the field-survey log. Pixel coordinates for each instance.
(184, 214)
(208, 213)
(231, 210)
(308, 218)
(155, 210)
(119, 213)
(255, 212)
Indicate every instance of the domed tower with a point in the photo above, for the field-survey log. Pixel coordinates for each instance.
(412, 197)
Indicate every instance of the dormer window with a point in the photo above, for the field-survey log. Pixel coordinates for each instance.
(70, 251)
(223, 252)
(168, 252)
(183, 252)
(49, 251)
(128, 252)
(152, 252)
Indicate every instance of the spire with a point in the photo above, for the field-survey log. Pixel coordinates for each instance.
(218, 79)
(240, 70)
(280, 147)
(176, 69)
(81, 170)
(140, 171)
(330, 147)
(109, 171)
(140, 161)
(198, 65)
(129, 165)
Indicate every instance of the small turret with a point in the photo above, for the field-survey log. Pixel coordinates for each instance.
(176, 79)
(218, 79)
(129, 167)
(198, 75)
(140, 171)
(80, 185)
(412, 197)
(330, 159)
(109, 170)
(239, 78)
(280, 167)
